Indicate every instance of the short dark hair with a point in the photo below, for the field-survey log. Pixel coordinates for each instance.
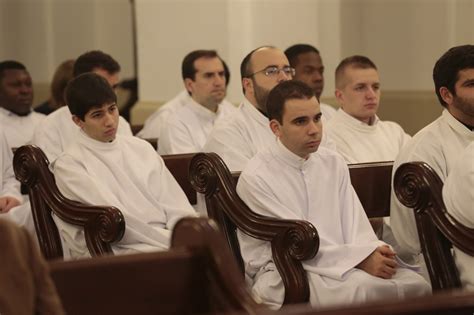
(62, 76)
(188, 71)
(283, 92)
(446, 69)
(294, 51)
(356, 61)
(10, 65)
(91, 60)
(245, 68)
(86, 91)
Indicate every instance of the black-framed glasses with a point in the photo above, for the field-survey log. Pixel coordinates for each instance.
(273, 71)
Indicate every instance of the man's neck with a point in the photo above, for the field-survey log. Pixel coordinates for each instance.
(15, 113)
(253, 101)
(210, 106)
(464, 119)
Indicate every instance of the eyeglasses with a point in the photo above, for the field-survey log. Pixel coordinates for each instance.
(273, 71)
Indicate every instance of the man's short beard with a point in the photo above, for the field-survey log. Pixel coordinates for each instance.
(465, 105)
(261, 95)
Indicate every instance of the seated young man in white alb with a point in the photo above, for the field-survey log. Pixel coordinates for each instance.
(296, 178)
(187, 128)
(57, 130)
(104, 168)
(359, 134)
(441, 142)
(309, 68)
(154, 124)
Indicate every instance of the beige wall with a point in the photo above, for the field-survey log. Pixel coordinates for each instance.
(403, 37)
(43, 33)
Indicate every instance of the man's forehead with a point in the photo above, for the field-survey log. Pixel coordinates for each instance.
(15, 74)
(309, 57)
(465, 75)
(205, 64)
(265, 57)
(102, 107)
(361, 75)
(296, 107)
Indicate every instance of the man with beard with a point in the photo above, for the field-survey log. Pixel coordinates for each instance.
(309, 69)
(440, 143)
(16, 97)
(237, 140)
(187, 127)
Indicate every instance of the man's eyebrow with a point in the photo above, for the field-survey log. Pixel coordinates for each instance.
(468, 81)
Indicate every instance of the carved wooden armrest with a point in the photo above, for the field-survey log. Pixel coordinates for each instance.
(292, 241)
(102, 225)
(417, 186)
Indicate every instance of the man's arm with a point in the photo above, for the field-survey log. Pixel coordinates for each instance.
(380, 263)
(7, 203)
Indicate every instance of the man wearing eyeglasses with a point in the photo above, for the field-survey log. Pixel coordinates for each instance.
(238, 139)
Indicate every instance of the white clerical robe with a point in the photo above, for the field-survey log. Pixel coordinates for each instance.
(238, 139)
(359, 142)
(439, 145)
(458, 196)
(280, 184)
(187, 128)
(153, 125)
(128, 174)
(19, 130)
(57, 131)
(9, 186)
(328, 112)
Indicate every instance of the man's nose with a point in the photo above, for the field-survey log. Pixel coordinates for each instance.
(283, 76)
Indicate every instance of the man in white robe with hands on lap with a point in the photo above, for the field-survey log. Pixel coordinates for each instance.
(102, 167)
(296, 178)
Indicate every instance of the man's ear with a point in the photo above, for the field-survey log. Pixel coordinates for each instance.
(339, 96)
(275, 127)
(446, 95)
(78, 121)
(188, 84)
(247, 84)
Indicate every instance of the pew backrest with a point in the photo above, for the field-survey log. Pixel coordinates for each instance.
(178, 165)
(418, 187)
(292, 241)
(196, 276)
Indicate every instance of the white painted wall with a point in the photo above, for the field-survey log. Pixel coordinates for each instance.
(403, 37)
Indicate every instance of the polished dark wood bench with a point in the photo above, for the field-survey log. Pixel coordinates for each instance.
(418, 187)
(102, 225)
(445, 303)
(196, 276)
(292, 241)
(178, 165)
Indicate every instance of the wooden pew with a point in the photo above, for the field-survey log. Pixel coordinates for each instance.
(102, 225)
(417, 186)
(446, 303)
(292, 241)
(178, 165)
(196, 276)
